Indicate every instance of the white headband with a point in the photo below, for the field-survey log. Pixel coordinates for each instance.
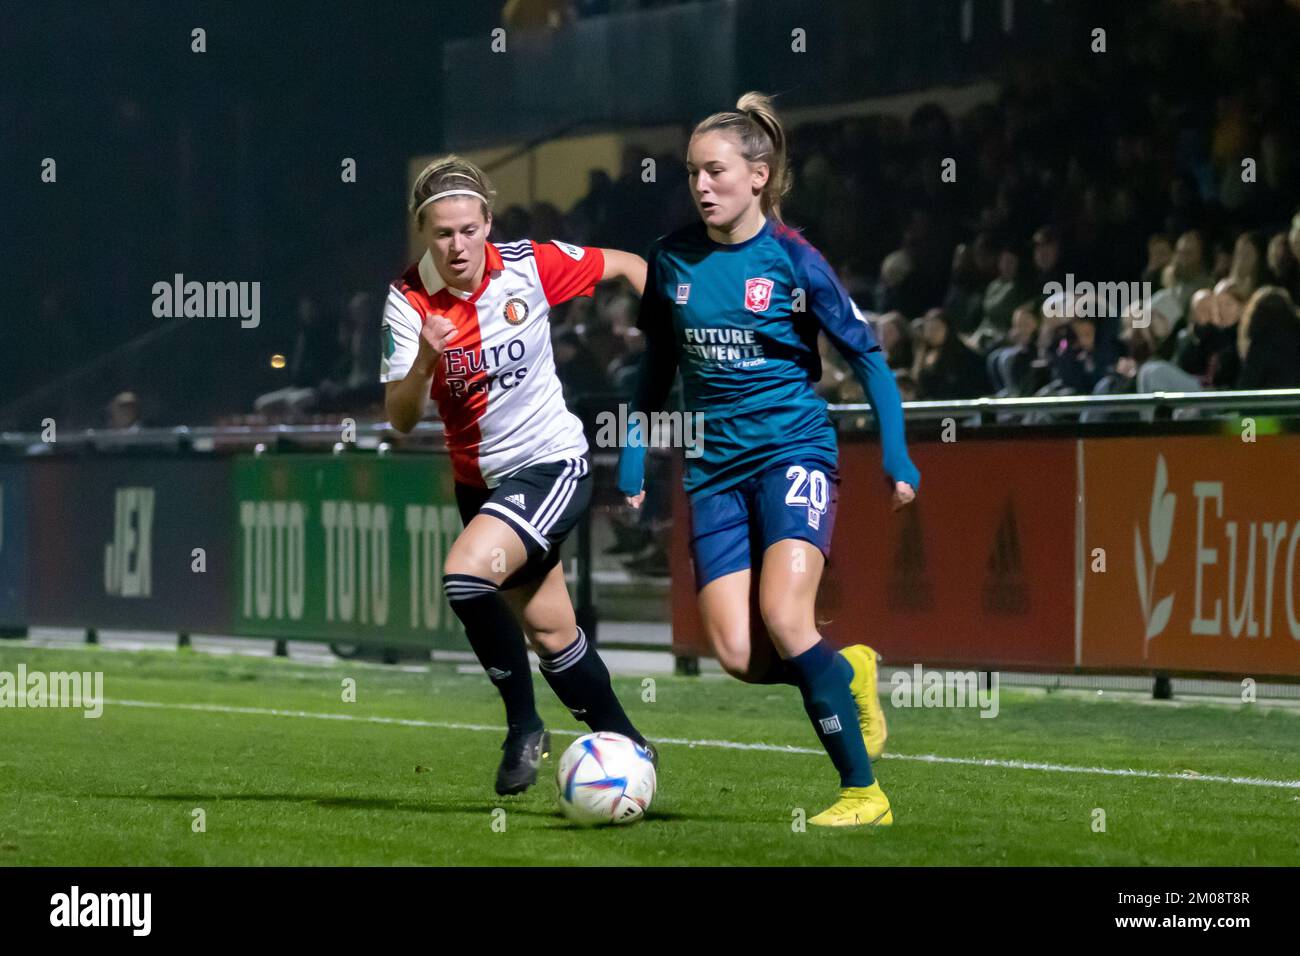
(451, 192)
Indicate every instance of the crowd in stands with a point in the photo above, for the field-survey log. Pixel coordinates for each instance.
(953, 233)
(1066, 179)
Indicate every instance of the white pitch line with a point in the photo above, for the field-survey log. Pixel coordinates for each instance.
(733, 745)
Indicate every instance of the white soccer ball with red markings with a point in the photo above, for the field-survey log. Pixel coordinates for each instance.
(605, 778)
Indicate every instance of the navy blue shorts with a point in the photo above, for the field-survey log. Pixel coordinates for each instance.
(730, 530)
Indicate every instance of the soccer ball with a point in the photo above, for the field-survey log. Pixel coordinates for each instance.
(605, 778)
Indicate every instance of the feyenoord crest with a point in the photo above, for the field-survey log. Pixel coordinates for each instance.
(516, 310)
(758, 294)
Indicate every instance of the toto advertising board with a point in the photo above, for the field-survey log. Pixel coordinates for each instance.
(345, 548)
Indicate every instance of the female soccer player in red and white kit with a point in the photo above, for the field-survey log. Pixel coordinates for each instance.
(467, 326)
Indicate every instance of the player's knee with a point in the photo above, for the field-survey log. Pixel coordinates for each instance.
(459, 562)
(550, 640)
(785, 623)
(463, 559)
(734, 656)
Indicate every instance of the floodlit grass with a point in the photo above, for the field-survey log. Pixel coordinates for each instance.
(301, 789)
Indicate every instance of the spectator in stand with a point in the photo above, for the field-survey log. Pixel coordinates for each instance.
(1167, 322)
(965, 295)
(1160, 252)
(124, 412)
(1003, 296)
(1200, 313)
(1272, 336)
(895, 336)
(945, 368)
(1223, 367)
(1283, 265)
(1187, 272)
(1249, 268)
(1085, 354)
(1210, 351)
(1047, 260)
(894, 291)
(1010, 366)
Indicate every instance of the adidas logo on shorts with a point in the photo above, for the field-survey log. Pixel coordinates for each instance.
(516, 500)
(831, 724)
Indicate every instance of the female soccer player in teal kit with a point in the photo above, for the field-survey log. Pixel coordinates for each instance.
(737, 301)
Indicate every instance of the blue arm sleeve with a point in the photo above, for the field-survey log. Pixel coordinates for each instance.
(851, 334)
(654, 381)
(882, 391)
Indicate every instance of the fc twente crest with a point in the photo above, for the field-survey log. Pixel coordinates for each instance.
(758, 294)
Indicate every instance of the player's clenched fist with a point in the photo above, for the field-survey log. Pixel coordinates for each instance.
(437, 331)
(904, 495)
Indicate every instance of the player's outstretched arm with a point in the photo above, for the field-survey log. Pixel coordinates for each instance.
(852, 336)
(655, 377)
(882, 391)
(654, 381)
(625, 265)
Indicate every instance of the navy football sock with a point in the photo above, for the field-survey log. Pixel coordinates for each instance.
(498, 643)
(824, 678)
(581, 681)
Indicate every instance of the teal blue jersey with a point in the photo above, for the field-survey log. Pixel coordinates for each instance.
(741, 322)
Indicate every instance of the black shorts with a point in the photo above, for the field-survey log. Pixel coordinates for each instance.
(541, 502)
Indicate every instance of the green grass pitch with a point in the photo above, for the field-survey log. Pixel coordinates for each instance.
(369, 789)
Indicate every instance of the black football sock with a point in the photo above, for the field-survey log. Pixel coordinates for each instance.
(498, 643)
(581, 681)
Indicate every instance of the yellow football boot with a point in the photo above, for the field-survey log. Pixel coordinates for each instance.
(857, 807)
(871, 716)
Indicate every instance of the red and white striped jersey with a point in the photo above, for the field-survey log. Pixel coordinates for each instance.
(496, 389)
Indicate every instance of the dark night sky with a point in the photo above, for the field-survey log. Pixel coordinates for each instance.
(223, 165)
